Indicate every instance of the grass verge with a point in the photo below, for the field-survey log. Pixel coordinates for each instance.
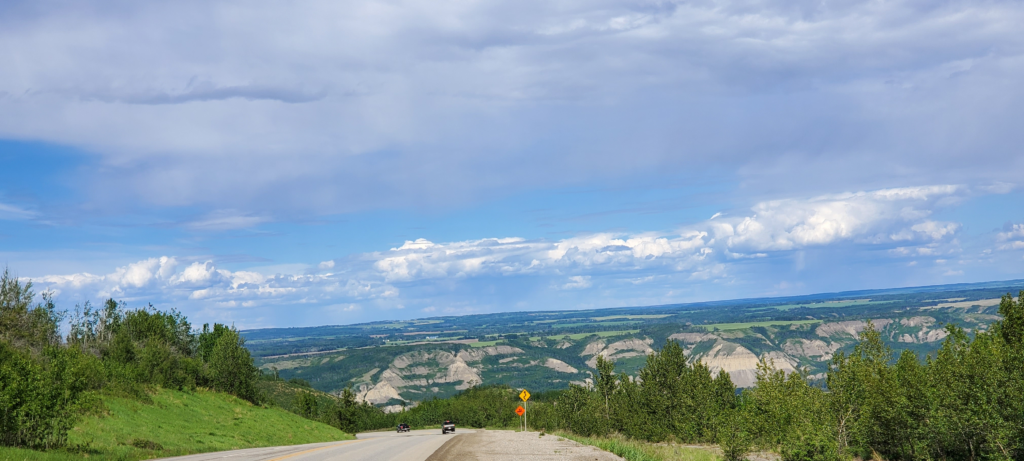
(634, 450)
(179, 423)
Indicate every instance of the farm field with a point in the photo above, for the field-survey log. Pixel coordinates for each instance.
(745, 325)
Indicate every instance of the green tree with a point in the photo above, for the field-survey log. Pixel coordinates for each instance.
(604, 382)
(231, 368)
(968, 384)
(23, 324)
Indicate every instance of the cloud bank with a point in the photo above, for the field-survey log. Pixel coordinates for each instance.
(327, 107)
(897, 222)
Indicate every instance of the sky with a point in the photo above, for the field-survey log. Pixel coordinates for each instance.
(276, 164)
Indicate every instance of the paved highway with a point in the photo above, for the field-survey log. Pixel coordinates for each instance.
(372, 446)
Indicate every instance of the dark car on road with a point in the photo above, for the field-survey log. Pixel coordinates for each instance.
(403, 427)
(447, 427)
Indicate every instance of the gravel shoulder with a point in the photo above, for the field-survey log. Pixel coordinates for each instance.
(515, 446)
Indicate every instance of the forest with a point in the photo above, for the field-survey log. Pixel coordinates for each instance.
(963, 402)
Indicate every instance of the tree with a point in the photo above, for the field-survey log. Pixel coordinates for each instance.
(21, 323)
(604, 382)
(231, 368)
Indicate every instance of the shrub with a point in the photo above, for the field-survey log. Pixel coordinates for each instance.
(39, 397)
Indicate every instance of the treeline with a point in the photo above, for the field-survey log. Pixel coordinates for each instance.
(47, 380)
(482, 406)
(966, 402)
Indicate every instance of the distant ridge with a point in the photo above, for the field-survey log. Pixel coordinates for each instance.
(973, 286)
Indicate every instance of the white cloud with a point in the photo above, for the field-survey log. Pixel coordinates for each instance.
(887, 215)
(11, 212)
(706, 251)
(1012, 238)
(577, 282)
(223, 220)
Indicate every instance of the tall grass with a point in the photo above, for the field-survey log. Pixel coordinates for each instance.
(635, 450)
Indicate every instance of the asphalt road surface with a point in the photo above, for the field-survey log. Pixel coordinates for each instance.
(372, 446)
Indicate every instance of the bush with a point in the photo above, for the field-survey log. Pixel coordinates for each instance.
(733, 437)
(582, 412)
(39, 397)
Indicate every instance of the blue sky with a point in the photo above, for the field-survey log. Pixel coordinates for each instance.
(317, 162)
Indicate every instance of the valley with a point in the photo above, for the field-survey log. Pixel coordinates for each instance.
(396, 364)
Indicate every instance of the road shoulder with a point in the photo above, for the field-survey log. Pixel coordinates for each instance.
(514, 446)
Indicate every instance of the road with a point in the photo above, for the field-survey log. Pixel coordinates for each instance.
(371, 446)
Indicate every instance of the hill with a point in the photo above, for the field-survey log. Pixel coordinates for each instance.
(174, 423)
(391, 363)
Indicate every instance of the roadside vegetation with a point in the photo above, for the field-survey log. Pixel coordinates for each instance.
(77, 395)
(128, 384)
(962, 403)
(636, 450)
(175, 423)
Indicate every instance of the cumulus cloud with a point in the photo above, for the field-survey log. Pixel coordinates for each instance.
(1012, 238)
(126, 280)
(203, 281)
(898, 220)
(577, 282)
(882, 216)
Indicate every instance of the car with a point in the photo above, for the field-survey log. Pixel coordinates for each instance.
(447, 427)
(403, 427)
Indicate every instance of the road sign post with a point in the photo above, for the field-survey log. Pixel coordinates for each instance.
(525, 396)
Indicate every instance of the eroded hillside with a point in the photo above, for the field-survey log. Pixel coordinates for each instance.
(401, 372)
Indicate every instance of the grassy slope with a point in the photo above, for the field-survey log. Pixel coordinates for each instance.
(284, 395)
(182, 423)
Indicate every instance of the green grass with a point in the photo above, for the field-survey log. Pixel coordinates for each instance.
(741, 326)
(602, 334)
(590, 324)
(485, 343)
(631, 317)
(181, 423)
(634, 450)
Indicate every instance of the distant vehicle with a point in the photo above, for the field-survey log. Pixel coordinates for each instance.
(447, 427)
(403, 427)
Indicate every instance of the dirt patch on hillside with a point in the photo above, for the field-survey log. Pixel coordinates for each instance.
(515, 446)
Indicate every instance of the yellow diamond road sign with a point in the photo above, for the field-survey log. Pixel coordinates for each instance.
(525, 395)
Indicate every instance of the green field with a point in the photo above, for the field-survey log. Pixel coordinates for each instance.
(602, 334)
(485, 343)
(741, 326)
(180, 423)
(830, 304)
(631, 317)
(592, 324)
